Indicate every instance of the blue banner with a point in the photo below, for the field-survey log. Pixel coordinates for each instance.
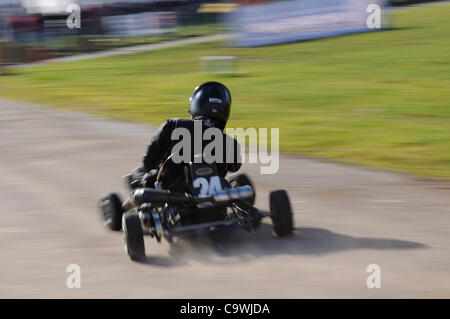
(296, 20)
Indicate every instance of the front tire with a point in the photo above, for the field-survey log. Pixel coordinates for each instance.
(281, 213)
(111, 209)
(133, 236)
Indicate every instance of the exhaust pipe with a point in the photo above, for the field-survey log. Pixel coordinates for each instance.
(241, 193)
(149, 195)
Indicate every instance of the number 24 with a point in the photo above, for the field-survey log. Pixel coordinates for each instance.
(208, 188)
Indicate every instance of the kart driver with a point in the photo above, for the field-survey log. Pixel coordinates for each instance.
(210, 104)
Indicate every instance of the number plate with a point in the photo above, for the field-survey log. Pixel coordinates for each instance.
(205, 180)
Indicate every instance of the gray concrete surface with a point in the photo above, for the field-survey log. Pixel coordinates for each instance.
(54, 165)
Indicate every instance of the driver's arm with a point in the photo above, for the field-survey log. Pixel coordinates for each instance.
(159, 144)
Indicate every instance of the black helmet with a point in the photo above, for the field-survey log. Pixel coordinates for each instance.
(211, 100)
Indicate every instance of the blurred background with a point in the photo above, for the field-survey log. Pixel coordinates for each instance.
(39, 31)
(36, 29)
(335, 90)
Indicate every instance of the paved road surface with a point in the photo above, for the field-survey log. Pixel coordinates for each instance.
(54, 165)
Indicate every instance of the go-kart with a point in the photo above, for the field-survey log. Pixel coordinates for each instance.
(196, 201)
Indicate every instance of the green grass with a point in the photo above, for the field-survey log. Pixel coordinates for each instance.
(378, 99)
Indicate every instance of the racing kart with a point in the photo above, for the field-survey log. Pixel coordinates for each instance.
(190, 199)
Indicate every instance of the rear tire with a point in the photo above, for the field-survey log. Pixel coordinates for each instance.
(111, 209)
(281, 213)
(243, 180)
(132, 236)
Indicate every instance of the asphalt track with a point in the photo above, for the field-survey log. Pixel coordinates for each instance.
(54, 165)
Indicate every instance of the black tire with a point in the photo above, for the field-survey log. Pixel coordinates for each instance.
(132, 236)
(111, 210)
(281, 213)
(242, 180)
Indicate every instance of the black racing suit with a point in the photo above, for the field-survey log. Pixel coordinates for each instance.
(160, 148)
